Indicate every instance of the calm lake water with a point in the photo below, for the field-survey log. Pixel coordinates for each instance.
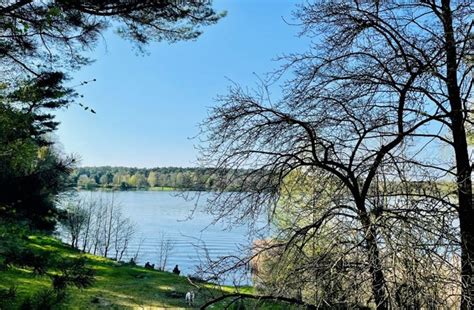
(166, 213)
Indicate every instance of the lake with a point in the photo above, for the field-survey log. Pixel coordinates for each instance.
(166, 213)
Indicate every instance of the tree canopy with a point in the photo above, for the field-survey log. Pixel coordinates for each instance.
(41, 36)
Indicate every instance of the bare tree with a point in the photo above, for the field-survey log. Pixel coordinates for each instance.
(98, 224)
(419, 49)
(109, 211)
(123, 232)
(417, 245)
(164, 249)
(74, 220)
(379, 78)
(91, 209)
(100, 227)
(137, 252)
(272, 140)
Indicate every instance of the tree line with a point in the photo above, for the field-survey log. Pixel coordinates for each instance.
(124, 178)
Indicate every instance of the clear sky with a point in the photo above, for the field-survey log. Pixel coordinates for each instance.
(148, 107)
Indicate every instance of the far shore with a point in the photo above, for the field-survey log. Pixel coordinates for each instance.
(120, 189)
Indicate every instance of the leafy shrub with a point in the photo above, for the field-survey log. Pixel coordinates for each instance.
(12, 239)
(42, 300)
(7, 296)
(73, 272)
(24, 257)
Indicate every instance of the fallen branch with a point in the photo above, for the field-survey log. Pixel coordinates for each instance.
(261, 298)
(193, 284)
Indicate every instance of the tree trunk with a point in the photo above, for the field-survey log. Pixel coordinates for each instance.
(375, 264)
(86, 235)
(466, 211)
(463, 165)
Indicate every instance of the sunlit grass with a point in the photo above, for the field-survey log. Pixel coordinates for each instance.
(116, 286)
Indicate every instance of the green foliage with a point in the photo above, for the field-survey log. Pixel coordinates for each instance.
(37, 33)
(73, 272)
(138, 180)
(85, 182)
(27, 258)
(7, 296)
(153, 179)
(45, 299)
(31, 170)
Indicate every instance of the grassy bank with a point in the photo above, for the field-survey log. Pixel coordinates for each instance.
(116, 286)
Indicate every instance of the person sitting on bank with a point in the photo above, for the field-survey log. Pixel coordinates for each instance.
(176, 270)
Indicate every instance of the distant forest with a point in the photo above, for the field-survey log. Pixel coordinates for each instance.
(125, 178)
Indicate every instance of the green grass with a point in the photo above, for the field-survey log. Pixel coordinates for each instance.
(117, 286)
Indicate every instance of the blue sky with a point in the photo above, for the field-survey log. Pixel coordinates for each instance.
(148, 107)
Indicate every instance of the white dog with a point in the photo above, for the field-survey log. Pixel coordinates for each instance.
(189, 298)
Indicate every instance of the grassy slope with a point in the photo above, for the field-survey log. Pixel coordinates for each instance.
(116, 286)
